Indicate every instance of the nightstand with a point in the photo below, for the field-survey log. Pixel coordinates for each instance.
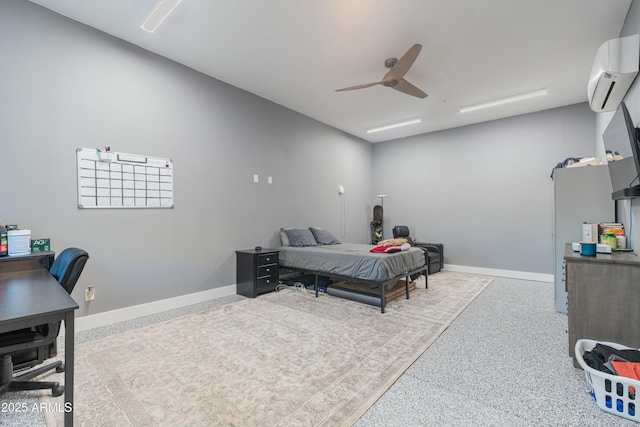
(256, 271)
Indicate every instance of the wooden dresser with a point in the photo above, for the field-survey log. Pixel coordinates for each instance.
(603, 298)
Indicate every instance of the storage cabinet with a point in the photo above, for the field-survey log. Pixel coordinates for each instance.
(604, 298)
(256, 272)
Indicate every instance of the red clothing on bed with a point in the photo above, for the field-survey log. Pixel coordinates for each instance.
(386, 249)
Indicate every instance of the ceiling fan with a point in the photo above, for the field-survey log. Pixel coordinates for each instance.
(395, 76)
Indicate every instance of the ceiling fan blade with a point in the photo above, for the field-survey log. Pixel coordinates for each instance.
(406, 87)
(404, 63)
(358, 86)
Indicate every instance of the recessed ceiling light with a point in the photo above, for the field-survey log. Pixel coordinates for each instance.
(397, 125)
(502, 101)
(159, 13)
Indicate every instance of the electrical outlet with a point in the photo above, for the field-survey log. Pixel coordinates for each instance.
(89, 294)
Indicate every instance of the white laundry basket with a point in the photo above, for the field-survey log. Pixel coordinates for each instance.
(612, 393)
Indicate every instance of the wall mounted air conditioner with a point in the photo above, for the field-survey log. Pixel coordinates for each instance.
(613, 72)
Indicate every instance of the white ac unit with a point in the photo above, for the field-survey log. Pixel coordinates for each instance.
(613, 72)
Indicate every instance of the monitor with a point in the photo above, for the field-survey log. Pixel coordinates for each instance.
(621, 139)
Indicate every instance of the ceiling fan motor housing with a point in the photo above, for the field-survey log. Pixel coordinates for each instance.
(390, 62)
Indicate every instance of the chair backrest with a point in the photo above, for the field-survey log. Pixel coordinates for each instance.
(67, 267)
(402, 231)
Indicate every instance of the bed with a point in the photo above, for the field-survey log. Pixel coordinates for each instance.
(356, 263)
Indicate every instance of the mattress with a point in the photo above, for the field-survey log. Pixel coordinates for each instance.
(352, 260)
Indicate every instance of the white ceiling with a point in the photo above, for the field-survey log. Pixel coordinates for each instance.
(297, 52)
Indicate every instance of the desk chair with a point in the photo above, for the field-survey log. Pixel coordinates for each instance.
(434, 252)
(28, 347)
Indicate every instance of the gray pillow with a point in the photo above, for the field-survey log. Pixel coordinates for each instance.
(323, 237)
(300, 237)
(283, 236)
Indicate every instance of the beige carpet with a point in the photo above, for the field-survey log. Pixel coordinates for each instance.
(282, 359)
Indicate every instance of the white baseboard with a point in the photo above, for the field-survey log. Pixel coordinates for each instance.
(512, 274)
(114, 316)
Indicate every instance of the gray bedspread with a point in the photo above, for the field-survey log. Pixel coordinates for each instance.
(352, 260)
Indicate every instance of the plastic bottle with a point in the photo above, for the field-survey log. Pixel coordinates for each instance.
(4, 247)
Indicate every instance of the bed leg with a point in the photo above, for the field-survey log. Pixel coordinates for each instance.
(407, 286)
(383, 300)
(316, 285)
(426, 278)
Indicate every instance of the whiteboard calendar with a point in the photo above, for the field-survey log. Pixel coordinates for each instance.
(108, 179)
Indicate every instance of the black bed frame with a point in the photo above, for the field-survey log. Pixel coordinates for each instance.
(373, 283)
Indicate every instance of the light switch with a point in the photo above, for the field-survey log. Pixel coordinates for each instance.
(256, 179)
(270, 180)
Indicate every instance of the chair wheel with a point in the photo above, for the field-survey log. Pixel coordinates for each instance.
(60, 368)
(57, 391)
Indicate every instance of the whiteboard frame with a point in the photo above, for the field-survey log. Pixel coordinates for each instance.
(141, 182)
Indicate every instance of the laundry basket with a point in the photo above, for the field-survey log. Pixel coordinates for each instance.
(612, 393)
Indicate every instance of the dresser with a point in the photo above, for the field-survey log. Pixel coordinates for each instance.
(256, 271)
(603, 298)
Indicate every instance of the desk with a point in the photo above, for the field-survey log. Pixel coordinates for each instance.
(34, 297)
(32, 261)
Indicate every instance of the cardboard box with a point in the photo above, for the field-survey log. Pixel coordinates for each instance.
(40, 245)
(590, 233)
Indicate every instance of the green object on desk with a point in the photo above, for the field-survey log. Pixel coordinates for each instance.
(40, 245)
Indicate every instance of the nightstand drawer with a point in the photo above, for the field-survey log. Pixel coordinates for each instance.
(267, 270)
(268, 282)
(264, 259)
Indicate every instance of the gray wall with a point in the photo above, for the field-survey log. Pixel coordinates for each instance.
(64, 86)
(484, 190)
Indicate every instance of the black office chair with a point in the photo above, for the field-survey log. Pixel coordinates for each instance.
(28, 347)
(434, 252)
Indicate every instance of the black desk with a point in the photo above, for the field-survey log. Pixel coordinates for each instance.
(32, 261)
(34, 297)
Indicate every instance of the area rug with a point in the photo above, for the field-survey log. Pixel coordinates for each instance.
(283, 359)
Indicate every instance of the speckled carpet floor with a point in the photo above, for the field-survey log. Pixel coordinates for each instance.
(283, 359)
